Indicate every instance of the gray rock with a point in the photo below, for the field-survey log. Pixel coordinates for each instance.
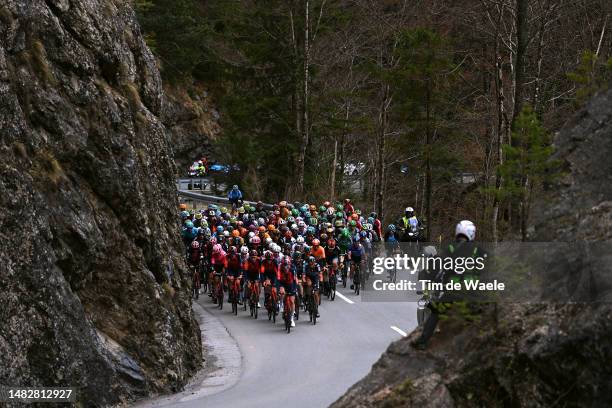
(86, 169)
(528, 355)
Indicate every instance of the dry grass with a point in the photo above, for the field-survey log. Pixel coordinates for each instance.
(132, 95)
(20, 150)
(47, 168)
(41, 64)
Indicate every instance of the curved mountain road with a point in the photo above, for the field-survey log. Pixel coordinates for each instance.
(310, 367)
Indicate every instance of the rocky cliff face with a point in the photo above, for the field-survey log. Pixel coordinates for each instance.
(536, 355)
(93, 291)
(192, 122)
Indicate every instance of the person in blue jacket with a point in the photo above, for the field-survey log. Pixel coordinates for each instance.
(235, 196)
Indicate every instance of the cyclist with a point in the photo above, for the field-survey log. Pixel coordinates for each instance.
(313, 273)
(235, 196)
(318, 252)
(253, 270)
(356, 254)
(288, 281)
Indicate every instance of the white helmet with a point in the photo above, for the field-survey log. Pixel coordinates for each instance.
(409, 209)
(251, 234)
(244, 249)
(467, 229)
(300, 239)
(430, 251)
(268, 240)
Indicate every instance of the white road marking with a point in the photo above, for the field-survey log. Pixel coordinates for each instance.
(400, 331)
(347, 300)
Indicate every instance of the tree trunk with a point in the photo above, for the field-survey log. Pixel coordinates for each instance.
(519, 66)
(342, 165)
(428, 180)
(501, 129)
(380, 165)
(332, 182)
(297, 105)
(304, 111)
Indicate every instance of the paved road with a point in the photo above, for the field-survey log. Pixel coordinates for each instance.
(312, 366)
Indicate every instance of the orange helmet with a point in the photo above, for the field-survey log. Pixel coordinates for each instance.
(283, 204)
(271, 227)
(262, 229)
(235, 233)
(354, 216)
(313, 207)
(182, 206)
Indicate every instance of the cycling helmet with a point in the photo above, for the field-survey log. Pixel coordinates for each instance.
(322, 208)
(331, 243)
(295, 212)
(226, 233)
(189, 224)
(271, 227)
(276, 248)
(220, 229)
(300, 239)
(182, 206)
(353, 223)
(323, 237)
(311, 230)
(217, 248)
(315, 242)
(391, 227)
(235, 233)
(204, 224)
(255, 240)
(213, 240)
(311, 259)
(301, 224)
(409, 211)
(268, 254)
(467, 229)
(268, 241)
(195, 244)
(232, 249)
(251, 234)
(253, 253)
(282, 204)
(244, 250)
(262, 229)
(198, 216)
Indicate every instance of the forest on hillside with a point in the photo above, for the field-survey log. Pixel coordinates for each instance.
(448, 106)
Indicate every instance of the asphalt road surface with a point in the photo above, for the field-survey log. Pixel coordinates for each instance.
(310, 367)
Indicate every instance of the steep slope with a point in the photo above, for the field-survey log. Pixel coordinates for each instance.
(93, 290)
(192, 123)
(536, 355)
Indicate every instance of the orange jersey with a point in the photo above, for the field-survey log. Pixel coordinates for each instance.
(318, 253)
